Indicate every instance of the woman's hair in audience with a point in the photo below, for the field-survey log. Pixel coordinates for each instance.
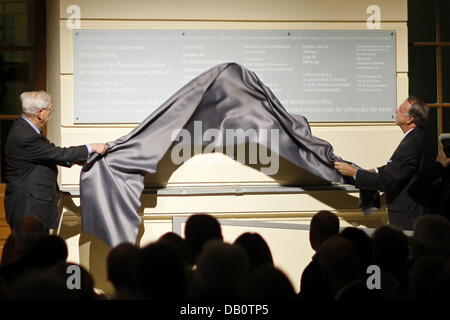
(177, 242)
(362, 243)
(256, 248)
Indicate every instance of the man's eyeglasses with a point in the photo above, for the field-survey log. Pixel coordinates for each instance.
(49, 109)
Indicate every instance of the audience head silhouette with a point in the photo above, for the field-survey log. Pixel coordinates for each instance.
(121, 263)
(75, 278)
(339, 262)
(160, 273)
(390, 251)
(256, 248)
(362, 243)
(178, 243)
(430, 279)
(220, 268)
(164, 270)
(324, 224)
(431, 236)
(266, 283)
(50, 250)
(36, 285)
(26, 234)
(199, 229)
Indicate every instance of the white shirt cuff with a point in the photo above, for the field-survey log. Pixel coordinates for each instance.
(89, 149)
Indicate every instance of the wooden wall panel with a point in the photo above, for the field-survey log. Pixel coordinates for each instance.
(5, 231)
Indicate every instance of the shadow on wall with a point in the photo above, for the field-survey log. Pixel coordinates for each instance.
(288, 174)
(285, 172)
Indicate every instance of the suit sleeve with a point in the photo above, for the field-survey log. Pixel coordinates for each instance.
(39, 150)
(392, 176)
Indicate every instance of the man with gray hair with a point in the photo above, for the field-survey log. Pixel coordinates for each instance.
(31, 161)
(401, 171)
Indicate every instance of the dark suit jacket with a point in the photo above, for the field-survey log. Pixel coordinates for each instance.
(432, 189)
(31, 173)
(395, 177)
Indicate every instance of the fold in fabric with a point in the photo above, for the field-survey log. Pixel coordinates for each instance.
(227, 96)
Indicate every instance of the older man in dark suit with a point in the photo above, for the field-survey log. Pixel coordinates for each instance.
(401, 171)
(31, 161)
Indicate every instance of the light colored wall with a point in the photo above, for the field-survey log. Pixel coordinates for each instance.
(350, 141)
(235, 10)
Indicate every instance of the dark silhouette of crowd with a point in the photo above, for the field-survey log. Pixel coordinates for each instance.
(348, 265)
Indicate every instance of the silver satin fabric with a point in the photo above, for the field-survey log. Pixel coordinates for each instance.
(227, 96)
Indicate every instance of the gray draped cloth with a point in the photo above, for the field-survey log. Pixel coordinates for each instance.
(227, 96)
